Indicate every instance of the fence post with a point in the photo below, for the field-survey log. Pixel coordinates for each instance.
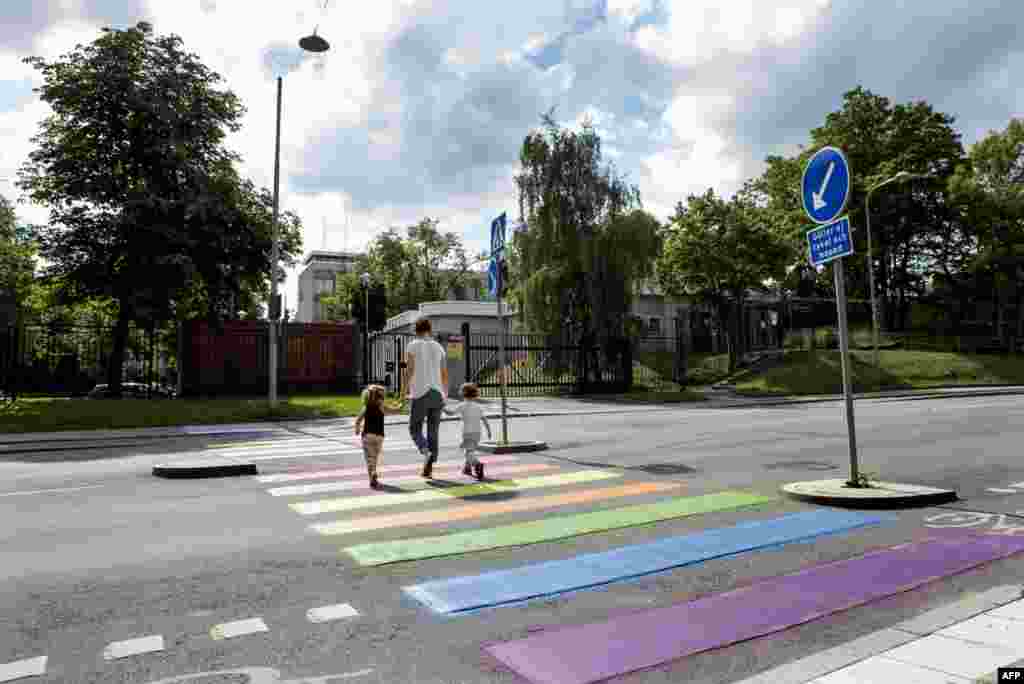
(680, 369)
(466, 350)
(627, 363)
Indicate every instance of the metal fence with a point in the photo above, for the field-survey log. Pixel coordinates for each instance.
(537, 364)
(71, 358)
(384, 354)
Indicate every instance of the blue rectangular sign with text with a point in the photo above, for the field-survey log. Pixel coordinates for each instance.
(830, 241)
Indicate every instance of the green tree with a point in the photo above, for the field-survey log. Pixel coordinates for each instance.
(421, 266)
(17, 264)
(989, 189)
(343, 304)
(146, 208)
(911, 222)
(587, 243)
(717, 251)
(881, 139)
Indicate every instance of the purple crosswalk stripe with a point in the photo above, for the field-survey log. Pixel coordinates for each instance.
(594, 652)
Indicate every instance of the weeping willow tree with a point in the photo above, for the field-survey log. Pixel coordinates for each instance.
(586, 245)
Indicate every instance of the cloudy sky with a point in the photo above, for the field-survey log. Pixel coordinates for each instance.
(420, 107)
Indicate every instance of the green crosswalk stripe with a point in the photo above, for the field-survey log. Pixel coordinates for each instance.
(547, 529)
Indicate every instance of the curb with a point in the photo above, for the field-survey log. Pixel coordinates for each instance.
(919, 394)
(734, 401)
(832, 493)
(193, 470)
(512, 447)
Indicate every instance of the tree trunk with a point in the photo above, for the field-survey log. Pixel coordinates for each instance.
(116, 365)
(732, 336)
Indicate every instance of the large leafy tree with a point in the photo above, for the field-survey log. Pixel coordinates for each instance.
(17, 264)
(344, 303)
(587, 243)
(989, 190)
(425, 264)
(146, 208)
(718, 250)
(880, 139)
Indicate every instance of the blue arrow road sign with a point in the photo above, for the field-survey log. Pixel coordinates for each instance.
(826, 185)
(830, 241)
(494, 277)
(498, 234)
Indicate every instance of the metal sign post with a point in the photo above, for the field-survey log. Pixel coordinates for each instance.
(844, 352)
(497, 255)
(825, 189)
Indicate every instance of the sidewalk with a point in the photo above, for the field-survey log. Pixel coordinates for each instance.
(718, 397)
(963, 641)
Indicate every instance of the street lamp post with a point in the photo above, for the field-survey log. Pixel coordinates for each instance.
(365, 280)
(312, 43)
(901, 176)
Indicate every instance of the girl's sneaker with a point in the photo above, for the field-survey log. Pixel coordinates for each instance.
(373, 483)
(478, 470)
(467, 470)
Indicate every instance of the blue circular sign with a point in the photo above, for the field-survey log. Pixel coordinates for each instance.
(826, 185)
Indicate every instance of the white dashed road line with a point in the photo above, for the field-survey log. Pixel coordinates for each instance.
(999, 490)
(48, 491)
(229, 630)
(329, 613)
(29, 667)
(130, 647)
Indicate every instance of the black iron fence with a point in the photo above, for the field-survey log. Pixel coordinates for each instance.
(71, 358)
(537, 364)
(384, 354)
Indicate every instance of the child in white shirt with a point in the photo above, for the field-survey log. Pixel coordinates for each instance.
(472, 413)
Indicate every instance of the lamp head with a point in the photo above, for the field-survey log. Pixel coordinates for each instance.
(314, 43)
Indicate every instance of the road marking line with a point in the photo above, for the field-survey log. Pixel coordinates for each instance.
(480, 510)
(261, 675)
(378, 499)
(307, 489)
(228, 630)
(130, 647)
(329, 613)
(548, 528)
(1018, 485)
(47, 491)
(999, 490)
(303, 455)
(30, 667)
(321, 452)
(361, 470)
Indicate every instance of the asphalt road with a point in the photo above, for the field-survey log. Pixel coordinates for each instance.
(96, 550)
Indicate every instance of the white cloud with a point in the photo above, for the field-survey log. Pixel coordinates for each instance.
(419, 108)
(700, 157)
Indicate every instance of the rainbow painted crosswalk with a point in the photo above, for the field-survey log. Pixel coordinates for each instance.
(524, 503)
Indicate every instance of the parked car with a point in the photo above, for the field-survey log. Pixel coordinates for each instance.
(133, 390)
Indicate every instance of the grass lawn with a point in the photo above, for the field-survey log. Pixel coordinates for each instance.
(820, 372)
(49, 414)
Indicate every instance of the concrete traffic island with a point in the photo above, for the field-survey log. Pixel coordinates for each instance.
(837, 492)
(212, 466)
(512, 447)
